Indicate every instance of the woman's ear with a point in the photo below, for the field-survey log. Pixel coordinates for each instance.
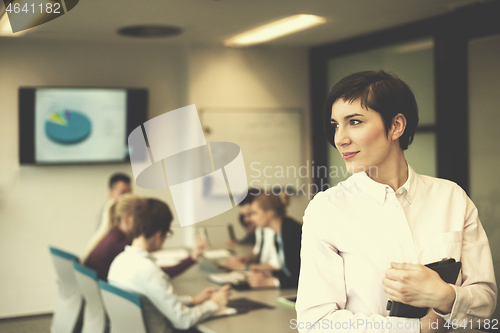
(398, 126)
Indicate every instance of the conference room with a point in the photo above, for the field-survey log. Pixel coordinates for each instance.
(264, 95)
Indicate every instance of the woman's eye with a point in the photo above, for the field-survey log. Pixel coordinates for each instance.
(335, 125)
(355, 122)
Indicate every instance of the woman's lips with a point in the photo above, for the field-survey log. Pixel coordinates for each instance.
(348, 156)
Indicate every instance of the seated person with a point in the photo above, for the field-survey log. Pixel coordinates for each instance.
(264, 255)
(119, 184)
(245, 220)
(135, 270)
(284, 234)
(122, 215)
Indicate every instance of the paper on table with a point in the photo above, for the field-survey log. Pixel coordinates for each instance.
(217, 254)
(232, 277)
(170, 257)
(225, 311)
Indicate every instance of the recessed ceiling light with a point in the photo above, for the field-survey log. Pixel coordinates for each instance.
(275, 30)
(150, 31)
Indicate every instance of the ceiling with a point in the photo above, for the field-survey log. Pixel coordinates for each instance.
(212, 21)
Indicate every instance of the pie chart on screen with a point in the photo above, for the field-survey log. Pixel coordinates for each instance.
(68, 127)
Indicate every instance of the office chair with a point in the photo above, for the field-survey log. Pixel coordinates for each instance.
(124, 309)
(67, 314)
(94, 315)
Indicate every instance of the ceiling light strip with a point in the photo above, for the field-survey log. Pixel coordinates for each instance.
(280, 28)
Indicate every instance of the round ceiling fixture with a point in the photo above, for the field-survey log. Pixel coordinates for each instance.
(150, 31)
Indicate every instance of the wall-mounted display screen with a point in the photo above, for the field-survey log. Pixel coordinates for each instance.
(78, 125)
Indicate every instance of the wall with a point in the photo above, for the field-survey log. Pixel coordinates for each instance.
(58, 205)
(258, 77)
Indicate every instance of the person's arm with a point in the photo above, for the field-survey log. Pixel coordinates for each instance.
(200, 245)
(175, 270)
(261, 267)
(476, 296)
(248, 239)
(322, 295)
(160, 292)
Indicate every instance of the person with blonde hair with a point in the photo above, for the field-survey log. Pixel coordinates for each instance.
(119, 185)
(122, 217)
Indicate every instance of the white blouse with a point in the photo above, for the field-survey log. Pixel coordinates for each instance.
(269, 253)
(353, 231)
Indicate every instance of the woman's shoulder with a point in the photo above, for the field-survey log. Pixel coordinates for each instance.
(328, 197)
(324, 205)
(441, 185)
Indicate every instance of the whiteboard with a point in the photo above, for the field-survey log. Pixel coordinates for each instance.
(271, 141)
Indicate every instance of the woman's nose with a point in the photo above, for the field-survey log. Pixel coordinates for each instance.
(341, 137)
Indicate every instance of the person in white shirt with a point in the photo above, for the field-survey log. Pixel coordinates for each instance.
(135, 270)
(269, 212)
(366, 240)
(264, 255)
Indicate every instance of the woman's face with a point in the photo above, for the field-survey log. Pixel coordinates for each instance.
(259, 217)
(360, 137)
(128, 223)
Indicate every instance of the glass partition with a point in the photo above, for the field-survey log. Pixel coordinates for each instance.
(484, 136)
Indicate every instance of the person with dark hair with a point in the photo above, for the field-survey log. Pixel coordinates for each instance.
(119, 184)
(269, 212)
(244, 217)
(366, 240)
(135, 270)
(275, 259)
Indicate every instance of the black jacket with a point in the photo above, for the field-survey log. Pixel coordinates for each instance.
(291, 233)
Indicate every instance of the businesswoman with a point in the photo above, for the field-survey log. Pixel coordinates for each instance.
(366, 240)
(121, 217)
(279, 253)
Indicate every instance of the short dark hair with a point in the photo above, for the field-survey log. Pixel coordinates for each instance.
(252, 193)
(118, 177)
(150, 217)
(382, 92)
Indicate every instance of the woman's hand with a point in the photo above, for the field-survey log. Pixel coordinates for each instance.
(200, 245)
(261, 267)
(260, 279)
(203, 296)
(419, 286)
